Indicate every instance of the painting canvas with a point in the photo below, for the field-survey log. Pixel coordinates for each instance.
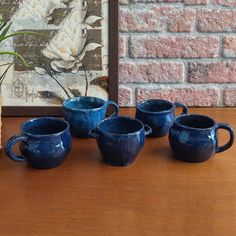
(67, 56)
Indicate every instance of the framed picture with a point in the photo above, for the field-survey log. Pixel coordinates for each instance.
(74, 52)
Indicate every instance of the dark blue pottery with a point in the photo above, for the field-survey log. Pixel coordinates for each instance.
(84, 113)
(158, 114)
(44, 142)
(120, 139)
(194, 138)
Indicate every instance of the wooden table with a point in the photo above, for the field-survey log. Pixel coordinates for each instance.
(156, 196)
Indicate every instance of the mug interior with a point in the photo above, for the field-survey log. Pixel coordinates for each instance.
(195, 121)
(44, 126)
(155, 105)
(84, 103)
(120, 125)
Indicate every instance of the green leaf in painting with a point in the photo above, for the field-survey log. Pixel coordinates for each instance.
(20, 33)
(4, 32)
(17, 55)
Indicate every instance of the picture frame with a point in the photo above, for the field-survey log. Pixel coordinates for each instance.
(112, 73)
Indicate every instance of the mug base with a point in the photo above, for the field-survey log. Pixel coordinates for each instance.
(191, 160)
(119, 164)
(156, 135)
(45, 166)
(80, 136)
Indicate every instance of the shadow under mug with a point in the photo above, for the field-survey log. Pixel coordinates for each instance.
(194, 138)
(120, 139)
(44, 142)
(84, 113)
(158, 114)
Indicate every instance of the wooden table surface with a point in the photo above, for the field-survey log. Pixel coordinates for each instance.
(158, 195)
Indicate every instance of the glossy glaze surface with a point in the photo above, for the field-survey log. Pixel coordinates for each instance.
(44, 142)
(120, 139)
(194, 138)
(83, 113)
(158, 114)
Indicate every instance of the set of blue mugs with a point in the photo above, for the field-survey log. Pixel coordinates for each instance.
(45, 142)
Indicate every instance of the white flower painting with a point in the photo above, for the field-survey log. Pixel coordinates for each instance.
(38, 10)
(69, 46)
(68, 58)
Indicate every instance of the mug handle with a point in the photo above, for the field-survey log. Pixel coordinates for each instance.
(93, 134)
(111, 103)
(184, 107)
(147, 130)
(11, 143)
(231, 132)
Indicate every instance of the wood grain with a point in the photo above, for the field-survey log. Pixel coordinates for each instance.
(158, 195)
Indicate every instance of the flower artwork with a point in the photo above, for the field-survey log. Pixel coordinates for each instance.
(68, 57)
(68, 47)
(38, 10)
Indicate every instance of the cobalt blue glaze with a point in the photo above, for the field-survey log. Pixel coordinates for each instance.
(44, 142)
(194, 138)
(158, 114)
(120, 139)
(84, 113)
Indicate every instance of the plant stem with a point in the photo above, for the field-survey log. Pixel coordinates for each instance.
(86, 80)
(2, 77)
(16, 55)
(67, 94)
(6, 64)
(20, 33)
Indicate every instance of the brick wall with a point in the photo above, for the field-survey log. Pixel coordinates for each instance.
(182, 50)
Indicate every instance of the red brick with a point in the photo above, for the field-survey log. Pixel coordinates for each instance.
(178, 20)
(229, 97)
(163, 1)
(189, 95)
(144, 72)
(188, 2)
(196, 2)
(122, 45)
(125, 96)
(227, 3)
(152, 18)
(212, 72)
(158, 56)
(216, 21)
(140, 19)
(229, 46)
(174, 47)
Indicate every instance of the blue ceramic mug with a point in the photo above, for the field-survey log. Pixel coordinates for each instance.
(44, 142)
(120, 139)
(194, 138)
(158, 114)
(84, 113)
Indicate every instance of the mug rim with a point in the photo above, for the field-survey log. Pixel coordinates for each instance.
(44, 135)
(154, 112)
(67, 101)
(196, 115)
(120, 117)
